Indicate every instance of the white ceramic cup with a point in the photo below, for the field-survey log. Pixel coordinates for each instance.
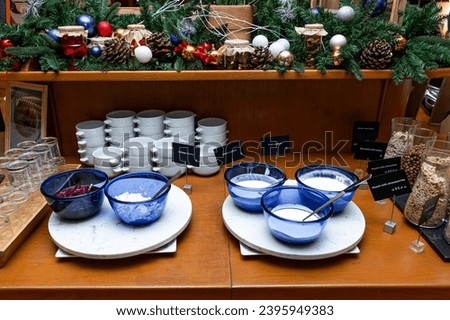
(90, 129)
(163, 147)
(146, 168)
(152, 136)
(139, 147)
(150, 118)
(92, 142)
(179, 118)
(220, 138)
(116, 131)
(150, 130)
(120, 118)
(182, 131)
(112, 171)
(169, 168)
(138, 162)
(108, 156)
(118, 140)
(211, 126)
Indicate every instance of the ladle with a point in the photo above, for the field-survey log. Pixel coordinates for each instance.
(174, 177)
(339, 195)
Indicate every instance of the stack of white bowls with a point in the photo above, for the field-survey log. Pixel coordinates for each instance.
(119, 126)
(211, 134)
(139, 153)
(180, 124)
(90, 136)
(110, 160)
(149, 123)
(162, 156)
(212, 130)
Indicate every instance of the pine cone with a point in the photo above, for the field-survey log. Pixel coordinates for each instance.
(116, 51)
(160, 45)
(261, 57)
(377, 54)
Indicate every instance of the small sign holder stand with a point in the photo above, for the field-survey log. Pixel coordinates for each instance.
(390, 225)
(189, 155)
(187, 186)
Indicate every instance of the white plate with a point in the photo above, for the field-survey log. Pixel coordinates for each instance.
(342, 233)
(247, 251)
(105, 236)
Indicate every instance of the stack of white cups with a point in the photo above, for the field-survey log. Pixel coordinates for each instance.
(109, 159)
(181, 124)
(162, 156)
(90, 136)
(149, 123)
(138, 154)
(211, 134)
(119, 127)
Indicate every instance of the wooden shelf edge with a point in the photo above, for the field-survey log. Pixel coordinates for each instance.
(203, 75)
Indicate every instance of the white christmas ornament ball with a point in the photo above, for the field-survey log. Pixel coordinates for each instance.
(345, 13)
(275, 48)
(143, 54)
(337, 41)
(260, 41)
(285, 43)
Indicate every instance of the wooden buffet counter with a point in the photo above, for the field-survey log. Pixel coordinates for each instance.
(208, 263)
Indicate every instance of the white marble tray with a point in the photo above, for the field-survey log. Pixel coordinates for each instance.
(170, 247)
(104, 236)
(342, 233)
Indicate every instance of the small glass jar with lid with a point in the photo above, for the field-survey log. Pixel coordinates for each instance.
(235, 54)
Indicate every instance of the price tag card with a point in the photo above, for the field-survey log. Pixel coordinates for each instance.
(228, 153)
(383, 166)
(275, 145)
(388, 185)
(186, 154)
(364, 130)
(370, 150)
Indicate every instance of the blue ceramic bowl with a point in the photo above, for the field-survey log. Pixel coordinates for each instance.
(329, 180)
(286, 207)
(80, 206)
(248, 181)
(131, 197)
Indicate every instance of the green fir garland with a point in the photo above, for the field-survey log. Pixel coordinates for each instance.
(184, 20)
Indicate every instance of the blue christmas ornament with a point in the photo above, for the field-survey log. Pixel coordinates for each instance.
(87, 22)
(95, 51)
(314, 11)
(379, 8)
(174, 39)
(53, 33)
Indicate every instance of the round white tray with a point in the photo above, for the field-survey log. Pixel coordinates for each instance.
(105, 236)
(342, 233)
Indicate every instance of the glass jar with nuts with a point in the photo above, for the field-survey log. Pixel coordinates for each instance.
(412, 157)
(433, 182)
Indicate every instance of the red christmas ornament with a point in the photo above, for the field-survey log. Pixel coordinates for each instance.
(104, 29)
(5, 43)
(205, 54)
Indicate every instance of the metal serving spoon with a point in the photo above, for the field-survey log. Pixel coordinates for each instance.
(174, 177)
(339, 195)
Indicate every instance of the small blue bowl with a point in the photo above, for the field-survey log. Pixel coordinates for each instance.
(248, 181)
(329, 180)
(285, 208)
(131, 197)
(79, 206)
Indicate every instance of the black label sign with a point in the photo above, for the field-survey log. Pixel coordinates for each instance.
(186, 154)
(364, 130)
(428, 209)
(383, 166)
(388, 185)
(278, 145)
(228, 153)
(370, 150)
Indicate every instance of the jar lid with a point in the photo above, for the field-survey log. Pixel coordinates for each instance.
(71, 31)
(237, 42)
